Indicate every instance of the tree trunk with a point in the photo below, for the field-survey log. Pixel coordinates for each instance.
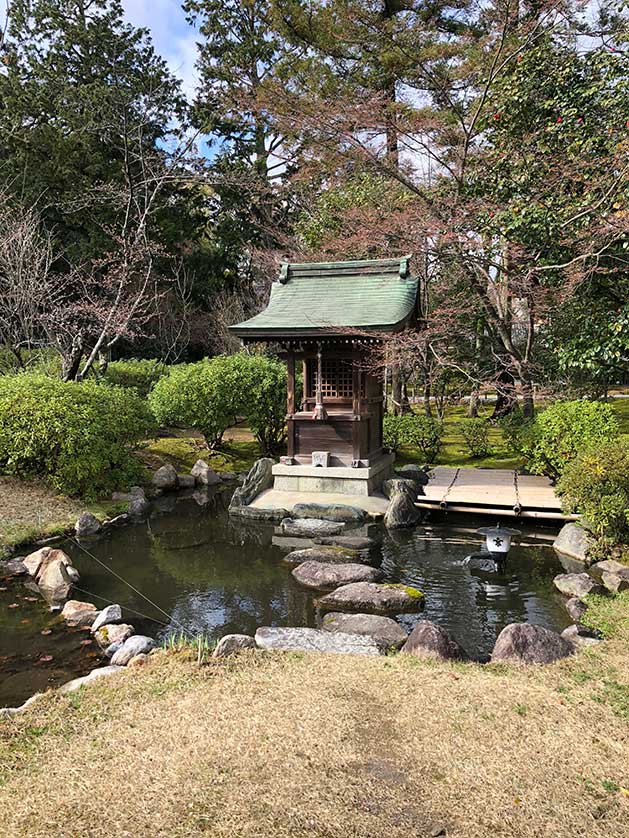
(472, 409)
(71, 360)
(396, 391)
(427, 402)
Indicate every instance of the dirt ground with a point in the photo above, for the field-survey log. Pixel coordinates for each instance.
(267, 744)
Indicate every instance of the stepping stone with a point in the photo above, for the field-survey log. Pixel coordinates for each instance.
(329, 555)
(310, 527)
(315, 640)
(373, 598)
(323, 576)
(330, 512)
(384, 630)
(351, 542)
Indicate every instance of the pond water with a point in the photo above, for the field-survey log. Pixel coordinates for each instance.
(191, 568)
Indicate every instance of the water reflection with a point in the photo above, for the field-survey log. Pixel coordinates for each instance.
(192, 568)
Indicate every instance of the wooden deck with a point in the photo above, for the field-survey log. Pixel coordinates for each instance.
(491, 492)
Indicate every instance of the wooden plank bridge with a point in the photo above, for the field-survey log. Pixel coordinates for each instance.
(491, 492)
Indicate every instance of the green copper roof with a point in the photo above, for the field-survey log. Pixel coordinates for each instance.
(323, 298)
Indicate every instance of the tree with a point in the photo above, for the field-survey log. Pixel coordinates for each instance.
(96, 140)
(507, 211)
(238, 53)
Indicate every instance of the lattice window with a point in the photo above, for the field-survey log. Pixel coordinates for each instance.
(336, 379)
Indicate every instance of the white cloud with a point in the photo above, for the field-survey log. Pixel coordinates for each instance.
(173, 38)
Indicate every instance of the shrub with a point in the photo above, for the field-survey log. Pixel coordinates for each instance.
(197, 396)
(210, 396)
(514, 427)
(139, 374)
(557, 434)
(475, 432)
(414, 431)
(596, 483)
(80, 435)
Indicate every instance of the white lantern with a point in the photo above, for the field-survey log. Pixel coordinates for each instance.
(498, 539)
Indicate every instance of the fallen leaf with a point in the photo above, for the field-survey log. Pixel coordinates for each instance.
(46, 659)
(14, 605)
(24, 622)
(46, 631)
(86, 642)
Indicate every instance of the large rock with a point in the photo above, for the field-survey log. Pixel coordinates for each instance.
(573, 541)
(430, 641)
(134, 492)
(255, 513)
(79, 614)
(401, 512)
(613, 575)
(233, 643)
(259, 478)
(110, 614)
(581, 636)
(315, 640)
(385, 631)
(204, 475)
(329, 555)
(139, 507)
(615, 583)
(55, 583)
(310, 527)
(35, 563)
(523, 643)
(113, 634)
(420, 474)
(87, 524)
(165, 478)
(351, 542)
(330, 512)
(323, 576)
(577, 585)
(136, 645)
(398, 485)
(86, 680)
(576, 608)
(373, 598)
(13, 567)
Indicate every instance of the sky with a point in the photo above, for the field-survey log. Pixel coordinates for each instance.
(173, 38)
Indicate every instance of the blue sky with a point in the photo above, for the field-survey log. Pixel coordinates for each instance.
(173, 38)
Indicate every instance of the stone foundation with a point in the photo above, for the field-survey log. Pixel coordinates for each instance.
(335, 479)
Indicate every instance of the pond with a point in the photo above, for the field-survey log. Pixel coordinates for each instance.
(191, 568)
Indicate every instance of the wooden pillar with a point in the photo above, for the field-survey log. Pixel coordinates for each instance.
(290, 404)
(290, 394)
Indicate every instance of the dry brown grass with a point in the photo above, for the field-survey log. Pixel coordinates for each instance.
(272, 745)
(30, 509)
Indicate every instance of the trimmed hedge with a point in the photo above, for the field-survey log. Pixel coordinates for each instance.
(596, 483)
(81, 436)
(414, 431)
(475, 433)
(139, 374)
(211, 395)
(561, 431)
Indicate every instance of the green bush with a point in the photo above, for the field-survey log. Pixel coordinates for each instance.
(413, 431)
(80, 435)
(596, 483)
(139, 374)
(514, 427)
(475, 432)
(557, 434)
(211, 395)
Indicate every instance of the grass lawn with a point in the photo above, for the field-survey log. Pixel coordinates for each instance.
(282, 746)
